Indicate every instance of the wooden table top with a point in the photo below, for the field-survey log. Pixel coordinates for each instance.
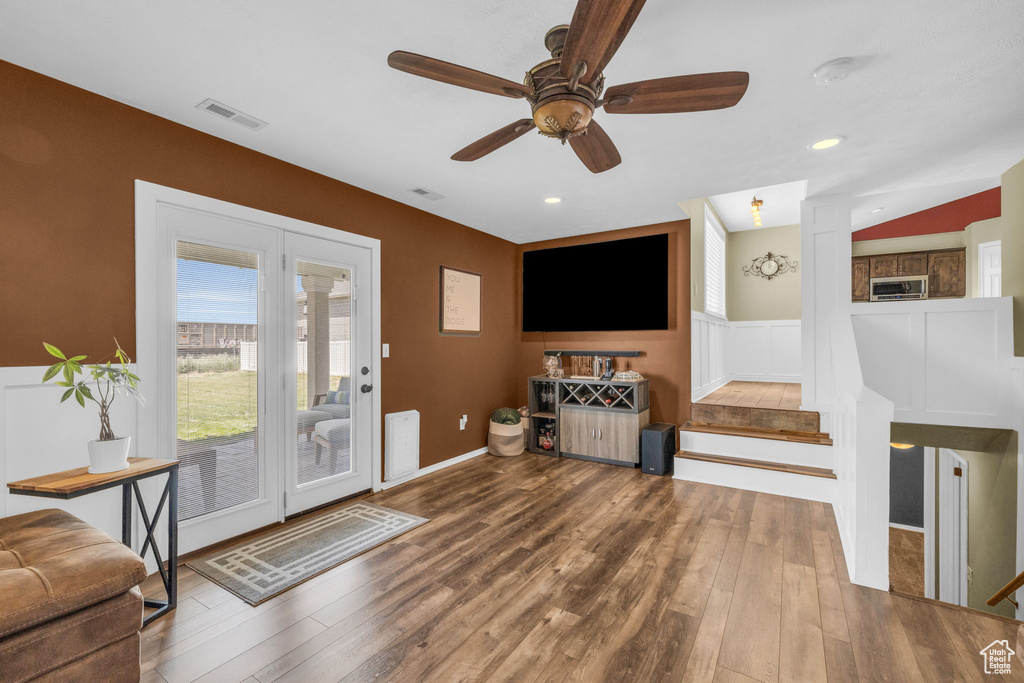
(71, 483)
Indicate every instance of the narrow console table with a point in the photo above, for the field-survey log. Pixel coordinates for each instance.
(78, 482)
(589, 419)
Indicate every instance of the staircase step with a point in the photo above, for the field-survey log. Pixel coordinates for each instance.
(816, 438)
(759, 464)
(764, 418)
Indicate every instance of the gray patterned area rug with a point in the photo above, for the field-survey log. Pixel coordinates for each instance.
(258, 569)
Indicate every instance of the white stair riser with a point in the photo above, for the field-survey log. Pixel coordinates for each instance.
(770, 450)
(753, 479)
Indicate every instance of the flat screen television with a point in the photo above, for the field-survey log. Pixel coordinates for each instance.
(605, 286)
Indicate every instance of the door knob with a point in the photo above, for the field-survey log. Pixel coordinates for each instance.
(366, 388)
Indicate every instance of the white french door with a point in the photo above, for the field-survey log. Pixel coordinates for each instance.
(328, 371)
(257, 345)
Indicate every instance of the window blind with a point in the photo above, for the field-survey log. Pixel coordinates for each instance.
(714, 266)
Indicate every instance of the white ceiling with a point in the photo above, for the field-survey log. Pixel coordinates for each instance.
(934, 99)
(781, 206)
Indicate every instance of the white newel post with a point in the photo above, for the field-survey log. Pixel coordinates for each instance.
(825, 289)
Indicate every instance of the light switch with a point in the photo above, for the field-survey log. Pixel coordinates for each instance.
(385, 350)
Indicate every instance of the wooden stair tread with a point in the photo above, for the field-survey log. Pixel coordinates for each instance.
(759, 464)
(815, 438)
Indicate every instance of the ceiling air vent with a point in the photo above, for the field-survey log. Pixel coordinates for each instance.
(427, 194)
(224, 111)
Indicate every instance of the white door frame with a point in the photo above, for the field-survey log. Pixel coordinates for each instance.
(952, 528)
(148, 289)
(930, 455)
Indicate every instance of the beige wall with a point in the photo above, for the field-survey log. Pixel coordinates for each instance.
(1013, 248)
(750, 297)
(896, 245)
(991, 521)
(694, 208)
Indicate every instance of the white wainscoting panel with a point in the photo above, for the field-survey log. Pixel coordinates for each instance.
(758, 351)
(764, 350)
(707, 353)
(942, 361)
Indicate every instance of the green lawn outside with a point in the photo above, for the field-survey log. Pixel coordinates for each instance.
(222, 403)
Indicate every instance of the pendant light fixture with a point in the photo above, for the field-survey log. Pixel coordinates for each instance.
(755, 211)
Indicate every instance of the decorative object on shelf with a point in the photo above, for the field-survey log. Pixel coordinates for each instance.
(770, 265)
(108, 453)
(755, 211)
(460, 302)
(553, 366)
(524, 411)
(505, 436)
(627, 376)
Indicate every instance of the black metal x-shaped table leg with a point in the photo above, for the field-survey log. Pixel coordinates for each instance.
(168, 574)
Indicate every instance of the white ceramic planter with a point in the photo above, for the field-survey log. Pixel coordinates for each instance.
(109, 456)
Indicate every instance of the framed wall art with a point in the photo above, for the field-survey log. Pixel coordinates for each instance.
(460, 302)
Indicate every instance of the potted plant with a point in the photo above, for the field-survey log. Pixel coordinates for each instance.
(108, 453)
(505, 436)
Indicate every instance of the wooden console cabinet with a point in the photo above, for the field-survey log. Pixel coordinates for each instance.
(592, 419)
(946, 270)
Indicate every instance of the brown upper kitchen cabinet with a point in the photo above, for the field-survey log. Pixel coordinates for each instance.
(885, 265)
(913, 264)
(861, 278)
(947, 273)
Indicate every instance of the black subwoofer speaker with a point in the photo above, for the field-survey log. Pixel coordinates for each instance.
(658, 448)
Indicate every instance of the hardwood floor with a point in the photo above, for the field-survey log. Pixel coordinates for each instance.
(543, 569)
(772, 395)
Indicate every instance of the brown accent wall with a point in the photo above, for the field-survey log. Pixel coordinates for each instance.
(666, 353)
(68, 161)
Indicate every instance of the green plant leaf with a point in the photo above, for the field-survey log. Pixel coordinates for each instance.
(51, 372)
(85, 391)
(78, 396)
(67, 394)
(64, 384)
(78, 358)
(54, 351)
(69, 375)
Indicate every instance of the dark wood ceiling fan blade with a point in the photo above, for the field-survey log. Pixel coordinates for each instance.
(498, 138)
(446, 72)
(595, 149)
(597, 29)
(699, 92)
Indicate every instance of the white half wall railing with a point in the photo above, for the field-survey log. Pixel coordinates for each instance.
(941, 361)
(860, 456)
(756, 351)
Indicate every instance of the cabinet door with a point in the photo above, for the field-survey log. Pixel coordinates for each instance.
(861, 277)
(913, 264)
(618, 435)
(886, 265)
(947, 273)
(577, 429)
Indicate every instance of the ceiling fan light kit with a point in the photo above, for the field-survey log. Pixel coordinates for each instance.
(565, 91)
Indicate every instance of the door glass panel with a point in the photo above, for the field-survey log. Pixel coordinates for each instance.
(323, 306)
(217, 378)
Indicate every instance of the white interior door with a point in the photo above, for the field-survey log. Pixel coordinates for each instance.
(217, 351)
(328, 373)
(990, 268)
(952, 528)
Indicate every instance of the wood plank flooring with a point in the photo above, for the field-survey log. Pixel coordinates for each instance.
(544, 569)
(772, 395)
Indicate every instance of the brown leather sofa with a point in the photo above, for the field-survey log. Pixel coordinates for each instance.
(70, 609)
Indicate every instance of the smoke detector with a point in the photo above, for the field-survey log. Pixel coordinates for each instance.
(232, 114)
(833, 71)
(427, 194)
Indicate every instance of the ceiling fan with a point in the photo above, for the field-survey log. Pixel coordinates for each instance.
(566, 90)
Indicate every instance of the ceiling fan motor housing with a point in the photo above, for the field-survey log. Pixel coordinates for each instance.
(558, 110)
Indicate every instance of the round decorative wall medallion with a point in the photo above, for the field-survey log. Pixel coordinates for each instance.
(769, 266)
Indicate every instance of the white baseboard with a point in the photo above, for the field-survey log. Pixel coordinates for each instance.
(709, 389)
(907, 527)
(753, 479)
(433, 468)
(790, 379)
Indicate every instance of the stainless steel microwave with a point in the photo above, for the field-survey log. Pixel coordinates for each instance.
(899, 288)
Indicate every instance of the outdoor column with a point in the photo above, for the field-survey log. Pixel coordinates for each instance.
(318, 335)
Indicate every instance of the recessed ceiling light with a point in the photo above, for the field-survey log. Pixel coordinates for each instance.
(876, 210)
(552, 200)
(826, 143)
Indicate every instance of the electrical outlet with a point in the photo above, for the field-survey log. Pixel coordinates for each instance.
(462, 422)
(970, 576)
(385, 351)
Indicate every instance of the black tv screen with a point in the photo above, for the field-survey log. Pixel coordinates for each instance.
(606, 286)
